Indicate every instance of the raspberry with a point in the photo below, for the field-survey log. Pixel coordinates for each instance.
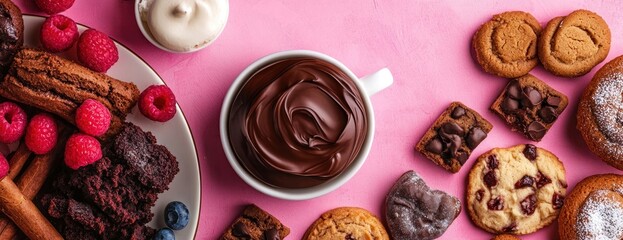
(12, 122)
(93, 118)
(54, 6)
(58, 33)
(4, 167)
(41, 134)
(96, 50)
(157, 103)
(82, 150)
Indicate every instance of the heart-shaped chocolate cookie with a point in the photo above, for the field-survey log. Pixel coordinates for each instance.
(414, 211)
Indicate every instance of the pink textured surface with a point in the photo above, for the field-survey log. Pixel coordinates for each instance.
(426, 44)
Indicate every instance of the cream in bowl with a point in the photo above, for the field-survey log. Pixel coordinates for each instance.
(181, 25)
(298, 124)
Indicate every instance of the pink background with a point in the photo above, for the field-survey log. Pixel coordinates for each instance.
(426, 44)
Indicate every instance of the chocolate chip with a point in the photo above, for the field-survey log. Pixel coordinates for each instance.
(525, 181)
(475, 137)
(542, 180)
(240, 230)
(528, 205)
(492, 162)
(530, 152)
(349, 237)
(510, 228)
(536, 130)
(509, 105)
(452, 128)
(455, 144)
(462, 157)
(479, 194)
(490, 179)
(457, 112)
(531, 97)
(563, 183)
(513, 89)
(271, 234)
(548, 114)
(553, 101)
(434, 146)
(496, 204)
(557, 201)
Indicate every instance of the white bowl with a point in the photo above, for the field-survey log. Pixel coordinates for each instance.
(144, 27)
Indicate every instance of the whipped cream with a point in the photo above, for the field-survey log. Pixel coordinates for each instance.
(184, 25)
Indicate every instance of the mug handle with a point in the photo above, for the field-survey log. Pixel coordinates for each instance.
(377, 81)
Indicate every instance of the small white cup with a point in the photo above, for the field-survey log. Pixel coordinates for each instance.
(367, 86)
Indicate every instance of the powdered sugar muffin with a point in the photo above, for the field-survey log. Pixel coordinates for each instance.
(600, 113)
(593, 209)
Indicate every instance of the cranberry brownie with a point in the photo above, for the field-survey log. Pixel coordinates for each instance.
(515, 190)
(593, 209)
(530, 106)
(453, 137)
(414, 211)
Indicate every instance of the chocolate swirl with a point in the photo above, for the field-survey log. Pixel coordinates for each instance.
(297, 122)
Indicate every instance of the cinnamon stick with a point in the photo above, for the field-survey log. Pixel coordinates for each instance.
(24, 213)
(19, 159)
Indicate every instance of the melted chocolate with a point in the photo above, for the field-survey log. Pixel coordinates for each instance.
(297, 123)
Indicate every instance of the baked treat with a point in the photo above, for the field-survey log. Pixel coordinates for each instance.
(112, 198)
(515, 190)
(255, 223)
(506, 237)
(346, 223)
(572, 45)
(453, 136)
(529, 106)
(506, 45)
(593, 209)
(57, 85)
(11, 33)
(599, 113)
(414, 211)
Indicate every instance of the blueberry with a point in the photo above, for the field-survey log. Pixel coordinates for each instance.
(176, 215)
(164, 234)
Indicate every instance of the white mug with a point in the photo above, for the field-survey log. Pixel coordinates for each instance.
(367, 86)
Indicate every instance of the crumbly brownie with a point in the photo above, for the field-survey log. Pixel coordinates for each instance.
(255, 223)
(529, 106)
(414, 211)
(453, 136)
(112, 198)
(11, 33)
(516, 190)
(59, 86)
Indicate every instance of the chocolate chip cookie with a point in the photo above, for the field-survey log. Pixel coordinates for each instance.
(600, 113)
(453, 137)
(593, 209)
(346, 223)
(414, 211)
(506, 45)
(572, 45)
(515, 190)
(529, 106)
(255, 223)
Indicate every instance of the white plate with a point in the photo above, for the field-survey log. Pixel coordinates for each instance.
(174, 134)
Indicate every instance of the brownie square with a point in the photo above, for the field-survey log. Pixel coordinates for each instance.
(453, 136)
(529, 106)
(255, 223)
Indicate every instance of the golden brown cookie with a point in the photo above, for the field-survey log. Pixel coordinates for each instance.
(506, 237)
(346, 223)
(571, 46)
(516, 190)
(600, 113)
(593, 209)
(506, 45)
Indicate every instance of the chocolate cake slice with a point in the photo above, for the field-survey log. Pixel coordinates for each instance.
(112, 198)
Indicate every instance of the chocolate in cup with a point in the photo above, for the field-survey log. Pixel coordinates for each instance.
(303, 127)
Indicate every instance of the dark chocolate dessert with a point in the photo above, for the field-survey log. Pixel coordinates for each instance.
(112, 198)
(11, 33)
